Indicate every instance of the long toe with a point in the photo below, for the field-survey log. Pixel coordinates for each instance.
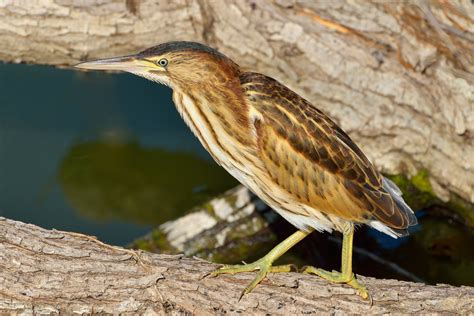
(258, 278)
(263, 266)
(237, 268)
(338, 277)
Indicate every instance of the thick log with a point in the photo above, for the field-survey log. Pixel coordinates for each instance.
(398, 76)
(54, 272)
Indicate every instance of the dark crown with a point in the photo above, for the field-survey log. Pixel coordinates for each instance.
(178, 47)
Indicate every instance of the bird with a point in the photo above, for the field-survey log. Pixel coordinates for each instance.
(280, 146)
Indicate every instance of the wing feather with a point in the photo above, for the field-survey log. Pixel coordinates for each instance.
(306, 153)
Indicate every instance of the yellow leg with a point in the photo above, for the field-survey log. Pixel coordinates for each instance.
(264, 265)
(346, 275)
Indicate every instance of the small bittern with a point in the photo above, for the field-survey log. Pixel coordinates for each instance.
(277, 144)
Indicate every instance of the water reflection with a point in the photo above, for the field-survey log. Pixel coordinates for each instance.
(126, 181)
(443, 250)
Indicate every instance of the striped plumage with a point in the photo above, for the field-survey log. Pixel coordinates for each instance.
(285, 150)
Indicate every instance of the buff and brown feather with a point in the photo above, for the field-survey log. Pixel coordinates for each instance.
(308, 155)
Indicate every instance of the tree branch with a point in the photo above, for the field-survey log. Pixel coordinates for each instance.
(49, 271)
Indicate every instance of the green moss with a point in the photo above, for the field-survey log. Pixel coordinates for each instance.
(209, 209)
(422, 182)
(141, 244)
(231, 199)
(417, 191)
(156, 241)
(419, 194)
(161, 242)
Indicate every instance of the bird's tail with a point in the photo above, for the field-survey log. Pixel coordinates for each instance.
(403, 208)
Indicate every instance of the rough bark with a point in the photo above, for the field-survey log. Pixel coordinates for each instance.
(54, 272)
(398, 76)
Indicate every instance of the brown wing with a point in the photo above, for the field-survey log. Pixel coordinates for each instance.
(306, 153)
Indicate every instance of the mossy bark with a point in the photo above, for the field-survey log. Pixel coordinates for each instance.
(419, 194)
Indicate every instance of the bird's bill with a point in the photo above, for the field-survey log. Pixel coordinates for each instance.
(125, 63)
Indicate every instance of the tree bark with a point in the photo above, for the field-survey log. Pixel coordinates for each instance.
(54, 272)
(397, 76)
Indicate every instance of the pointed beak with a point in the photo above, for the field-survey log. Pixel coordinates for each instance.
(126, 63)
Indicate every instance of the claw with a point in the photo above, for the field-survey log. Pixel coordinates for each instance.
(338, 277)
(205, 275)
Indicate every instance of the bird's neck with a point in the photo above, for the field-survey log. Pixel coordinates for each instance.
(218, 116)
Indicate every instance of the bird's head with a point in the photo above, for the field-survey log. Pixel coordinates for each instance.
(176, 64)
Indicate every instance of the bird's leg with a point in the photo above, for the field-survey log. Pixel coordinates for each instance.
(264, 265)
(346, 275)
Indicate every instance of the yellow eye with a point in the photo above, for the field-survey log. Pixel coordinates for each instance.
(163, 62)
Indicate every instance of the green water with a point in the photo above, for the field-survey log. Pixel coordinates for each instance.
(101, 154)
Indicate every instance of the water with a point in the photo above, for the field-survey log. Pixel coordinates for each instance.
(101, 154)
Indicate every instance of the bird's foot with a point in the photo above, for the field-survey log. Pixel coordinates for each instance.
(338, 277)
(263, 266)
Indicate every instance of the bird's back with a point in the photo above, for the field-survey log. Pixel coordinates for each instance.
(307, 158)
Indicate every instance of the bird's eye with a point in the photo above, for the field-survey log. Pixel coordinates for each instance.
(163, 62)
